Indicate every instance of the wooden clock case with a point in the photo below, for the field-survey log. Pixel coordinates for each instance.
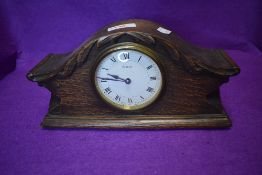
(189, 99)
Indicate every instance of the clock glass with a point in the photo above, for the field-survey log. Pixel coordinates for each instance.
(128, 79)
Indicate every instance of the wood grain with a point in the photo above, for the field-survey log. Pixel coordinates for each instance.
(138, 122)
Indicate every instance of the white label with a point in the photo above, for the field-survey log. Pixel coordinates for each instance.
(122, 26)
(163, 30)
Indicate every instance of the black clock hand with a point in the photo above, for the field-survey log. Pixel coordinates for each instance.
(116, 77)
(110, 79)
(127, 80)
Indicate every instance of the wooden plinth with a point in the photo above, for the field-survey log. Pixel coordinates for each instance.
(137, 121)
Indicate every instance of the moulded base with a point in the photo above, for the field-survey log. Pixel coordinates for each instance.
(137, 121)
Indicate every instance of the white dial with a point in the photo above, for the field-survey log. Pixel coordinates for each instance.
(128, 79)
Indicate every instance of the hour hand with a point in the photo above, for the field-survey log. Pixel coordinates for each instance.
(116, 77)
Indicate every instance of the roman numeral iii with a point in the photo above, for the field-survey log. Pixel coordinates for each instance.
(149, 89)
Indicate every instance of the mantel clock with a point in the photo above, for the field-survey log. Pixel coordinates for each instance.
(135, 74)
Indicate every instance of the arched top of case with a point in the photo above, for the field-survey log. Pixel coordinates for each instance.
(197, 59)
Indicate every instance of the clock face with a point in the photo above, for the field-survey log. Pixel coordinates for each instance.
(128, 79)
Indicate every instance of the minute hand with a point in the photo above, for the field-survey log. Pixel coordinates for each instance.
(110, 79)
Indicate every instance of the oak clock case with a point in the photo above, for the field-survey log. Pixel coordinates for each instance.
(156, 80)
(143, 72)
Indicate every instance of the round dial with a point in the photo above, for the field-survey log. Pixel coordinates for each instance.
(128, 79)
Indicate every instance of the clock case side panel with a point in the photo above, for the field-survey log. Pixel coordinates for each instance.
(88, 113)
